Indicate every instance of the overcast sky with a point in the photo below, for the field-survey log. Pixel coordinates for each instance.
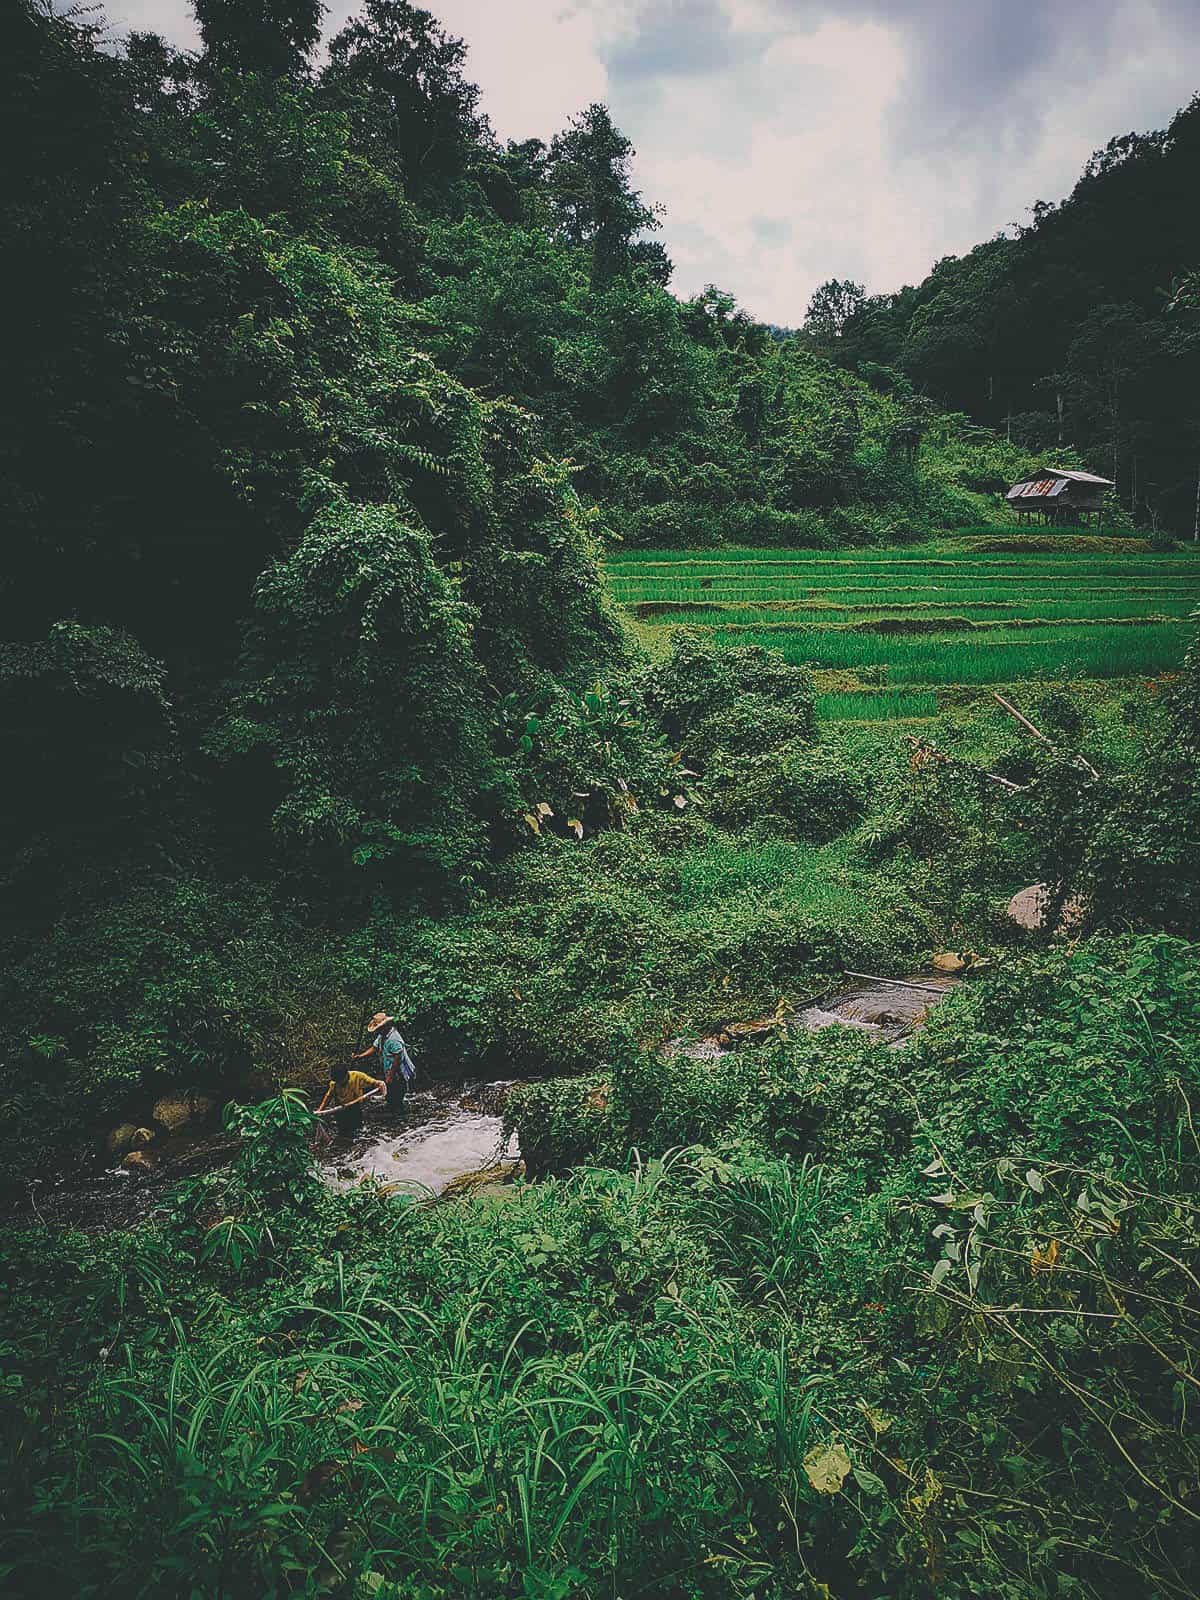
(793, 141)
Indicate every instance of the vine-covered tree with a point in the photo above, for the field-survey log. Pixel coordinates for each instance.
(270, 36)
(398, 77)
(591, 190)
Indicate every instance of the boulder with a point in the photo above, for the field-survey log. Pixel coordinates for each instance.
(140, 1161)
(1028, 908)
(174, 1112)
(949, 961)
(121, 1138)
(129, 1136)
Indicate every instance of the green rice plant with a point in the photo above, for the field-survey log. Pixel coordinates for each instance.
(993, 586)
(886, 705)
(1096, 652)
(1101, 608)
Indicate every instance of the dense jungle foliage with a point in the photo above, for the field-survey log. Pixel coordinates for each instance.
(324, 410)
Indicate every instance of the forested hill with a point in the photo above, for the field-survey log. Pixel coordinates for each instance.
(1078, 329)
(319, 400)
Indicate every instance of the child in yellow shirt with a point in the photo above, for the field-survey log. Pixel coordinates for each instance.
(347, 1089)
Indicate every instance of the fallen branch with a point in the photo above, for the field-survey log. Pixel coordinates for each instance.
(894, 983)
(1037, 733)
(1007, 783)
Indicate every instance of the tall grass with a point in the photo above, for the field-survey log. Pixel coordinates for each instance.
(345, 1439)
(886, 705)
(1094, 652)
(814, 880)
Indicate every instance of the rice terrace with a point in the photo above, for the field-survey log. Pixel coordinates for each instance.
(894, 633)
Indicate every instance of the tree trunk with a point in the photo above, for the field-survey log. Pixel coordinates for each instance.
(1115, 412)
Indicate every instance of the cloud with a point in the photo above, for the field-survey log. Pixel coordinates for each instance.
(889, 132)
(692, 39)
(793, 141)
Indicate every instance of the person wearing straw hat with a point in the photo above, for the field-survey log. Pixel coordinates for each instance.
(393, 1062)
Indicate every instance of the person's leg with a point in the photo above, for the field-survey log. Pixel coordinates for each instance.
(349, 1121)
(397, 1090)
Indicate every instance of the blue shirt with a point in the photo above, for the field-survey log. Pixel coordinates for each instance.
(393, 1055)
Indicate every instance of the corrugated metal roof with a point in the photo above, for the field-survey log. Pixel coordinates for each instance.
(1074, 475)
(1037, 489)
(1051, 481)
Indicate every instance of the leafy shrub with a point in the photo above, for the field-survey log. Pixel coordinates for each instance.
(750, 725)
(586, 761)
(805, 529)
(1126, 841)
(1085, 1055)
(560, 1122)
(194, 982)
(699, 680)
(673, 525)
(809, 790)
(1062, 711)
(856, 525)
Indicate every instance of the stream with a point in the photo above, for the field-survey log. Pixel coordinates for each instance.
(447, 1131)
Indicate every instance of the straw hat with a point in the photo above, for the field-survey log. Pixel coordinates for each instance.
(379, 1020)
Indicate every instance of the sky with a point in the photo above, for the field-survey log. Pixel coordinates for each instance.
(793, 141)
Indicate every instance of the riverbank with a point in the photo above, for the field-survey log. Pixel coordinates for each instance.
(745, 1357)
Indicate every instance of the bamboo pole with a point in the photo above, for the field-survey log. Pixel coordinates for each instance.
(1037, 733)
(894, 983)
(332, 1111)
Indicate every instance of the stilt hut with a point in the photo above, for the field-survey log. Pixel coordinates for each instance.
(1059, 495)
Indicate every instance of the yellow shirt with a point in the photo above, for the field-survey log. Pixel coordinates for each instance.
(355, 1085)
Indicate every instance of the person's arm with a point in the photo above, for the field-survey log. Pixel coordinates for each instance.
(377, 1087)
(362, 1055)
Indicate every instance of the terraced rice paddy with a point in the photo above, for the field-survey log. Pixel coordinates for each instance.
(890, 626)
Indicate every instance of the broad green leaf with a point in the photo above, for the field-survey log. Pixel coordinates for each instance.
(827, 1467)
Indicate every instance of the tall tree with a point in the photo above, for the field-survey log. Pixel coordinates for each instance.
(269, 36)
(399, 77)
(592, 193)
(832, 306)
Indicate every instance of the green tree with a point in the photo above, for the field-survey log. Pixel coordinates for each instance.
(592, 194)
(270, 36)
(399, 78)
(832, 306)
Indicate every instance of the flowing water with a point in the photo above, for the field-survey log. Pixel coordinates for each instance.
(446, 1131)
(890, 1009)
(433, 1142)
